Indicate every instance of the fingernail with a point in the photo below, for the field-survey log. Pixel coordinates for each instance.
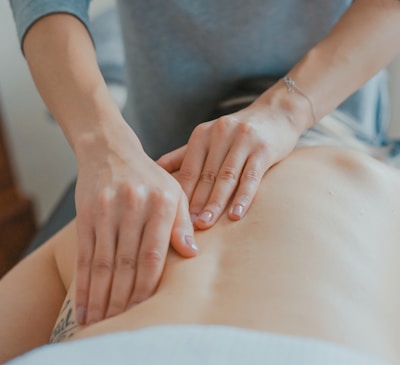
(238, 210)
(81, 315)
(191, 243)
(205, 217)
(193, 217)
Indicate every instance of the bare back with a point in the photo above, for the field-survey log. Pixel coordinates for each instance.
(316, 256)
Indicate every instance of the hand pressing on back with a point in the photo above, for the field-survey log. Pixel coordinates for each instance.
(223, 163)
(128, 211)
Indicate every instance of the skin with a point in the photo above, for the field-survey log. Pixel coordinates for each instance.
(235, 151)
(317, 256)
(118, 184)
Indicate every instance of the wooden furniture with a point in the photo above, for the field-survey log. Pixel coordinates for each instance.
(17, 220)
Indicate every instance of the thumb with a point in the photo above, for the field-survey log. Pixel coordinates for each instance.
(172, 161)
(182, 234)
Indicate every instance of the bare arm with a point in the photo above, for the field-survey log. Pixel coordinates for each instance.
(31, 297)
(63, 63)
(119, 186)
(365, 40)
(212, 165)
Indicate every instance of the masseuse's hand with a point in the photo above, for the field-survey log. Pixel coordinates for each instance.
(227, 157)
(128, 211)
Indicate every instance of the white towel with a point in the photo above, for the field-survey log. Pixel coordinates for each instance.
(195, 345)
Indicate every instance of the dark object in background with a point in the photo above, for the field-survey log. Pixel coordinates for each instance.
(246, 92)
(63, 213)
(17, 219)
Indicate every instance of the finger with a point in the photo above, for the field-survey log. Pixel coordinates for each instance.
(129, 237)
(215, 159)
(102, 268)
(253, 172)
(193, 161)
(226, 182)
(182, 235)
(152, 252)
(172, 161)
(85, 251)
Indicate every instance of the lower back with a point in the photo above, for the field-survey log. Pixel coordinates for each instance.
(316, 256)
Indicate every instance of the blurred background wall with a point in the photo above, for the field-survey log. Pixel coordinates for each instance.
(44, 163)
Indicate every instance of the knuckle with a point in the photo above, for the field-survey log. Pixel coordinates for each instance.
(105, 199)
(127, 194)
(227, 120)
(263, 149)
(246, 129)
(162, 197)
(132, 196)
(102, 265)
(106, 195)
(125, 263)
(225, 123)
(84, 261)
(187, 174)
(199, 130)
(152, 258)
(228, 174)
(252, 175)
(208, 176)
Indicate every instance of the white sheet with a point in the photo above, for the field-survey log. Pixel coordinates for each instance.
(195, 345)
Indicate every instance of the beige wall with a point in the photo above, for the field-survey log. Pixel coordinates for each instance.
(43, 160)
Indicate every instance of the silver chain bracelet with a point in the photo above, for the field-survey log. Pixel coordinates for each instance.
(292, 86)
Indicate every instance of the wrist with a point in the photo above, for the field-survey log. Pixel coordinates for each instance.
(296, 105)
(111, 137)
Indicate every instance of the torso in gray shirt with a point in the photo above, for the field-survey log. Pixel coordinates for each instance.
(185, 55)
(182, 56)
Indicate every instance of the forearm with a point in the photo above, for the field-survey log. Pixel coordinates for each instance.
(363, 41)
(63, 64)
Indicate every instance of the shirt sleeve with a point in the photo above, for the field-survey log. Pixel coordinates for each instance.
(27, 12)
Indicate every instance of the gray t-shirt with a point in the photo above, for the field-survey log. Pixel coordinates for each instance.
(183, 56)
